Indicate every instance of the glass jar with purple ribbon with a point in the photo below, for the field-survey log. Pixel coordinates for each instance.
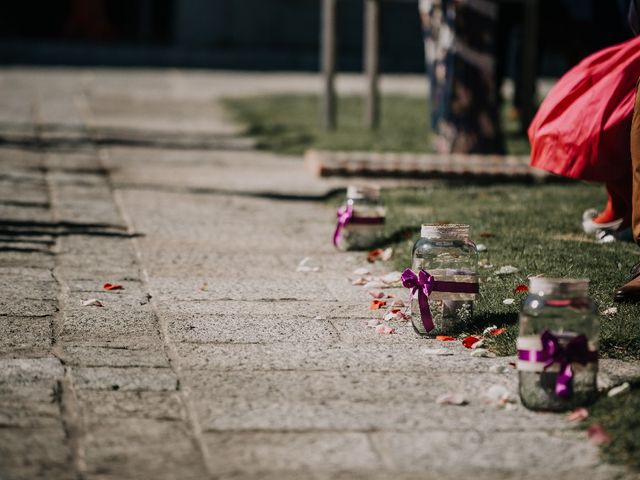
(443, 279)
(360, 219)
(558, 345)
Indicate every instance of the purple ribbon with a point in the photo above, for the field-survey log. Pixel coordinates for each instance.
(577, 350)
(424, 283)
(346, 216)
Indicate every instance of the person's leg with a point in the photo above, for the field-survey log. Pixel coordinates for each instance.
(630, 292)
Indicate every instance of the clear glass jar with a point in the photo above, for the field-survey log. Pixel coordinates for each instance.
(446, 253)
(559, 309)
(363, 215)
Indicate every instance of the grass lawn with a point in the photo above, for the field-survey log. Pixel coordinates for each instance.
(535, 228)
(290, 124)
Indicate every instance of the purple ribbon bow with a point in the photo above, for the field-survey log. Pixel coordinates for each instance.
(346, 216)
(577, 350)
(424, 283)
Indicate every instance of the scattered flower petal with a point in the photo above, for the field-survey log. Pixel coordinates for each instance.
(376, 294)
(361, 272)
(92, 302)
(437, 351)
(112, 286)
(397, 304)
(373, 323)
(522, 288)
(387, 254)
(374, 255)
(481, 247)
(392, 278)
(509, 301)
(578, 415)
(204, 287)
(478, 344)
(377, 304)
(624, 388)
(482, 353)
(488, 330)
(360, 281)
(499, 395)
(468, 341)
(306, 265)
(375, 284)
(451, 399)
(610, 311)
(597, 434)
(445, 338)
(506, 270)
(385, 330)
(391, 295)
(497, 331)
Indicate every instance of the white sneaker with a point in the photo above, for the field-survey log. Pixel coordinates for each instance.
(589, 226)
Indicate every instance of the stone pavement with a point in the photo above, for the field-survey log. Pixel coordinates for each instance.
(218, 359)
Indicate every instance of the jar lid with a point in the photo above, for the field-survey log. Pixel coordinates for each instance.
(559, 286)
(445, 231)
(363, 191)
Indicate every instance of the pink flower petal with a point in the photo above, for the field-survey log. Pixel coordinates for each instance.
(385, 330)
(597, 434)
(578, 415)
(375, 294)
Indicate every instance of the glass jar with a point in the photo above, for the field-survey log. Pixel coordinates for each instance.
(558, 345)
(360, 219)
(447, 254)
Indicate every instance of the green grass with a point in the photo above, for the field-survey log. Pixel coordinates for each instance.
(290, 124)
(535, 228)
(621, 418)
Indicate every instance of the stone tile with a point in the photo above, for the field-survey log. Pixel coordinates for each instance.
(355, 401)
(142, 448)
(27, 307)
(125, 379)
(109, 324)
(256, 452)
(237, 328)
(373, 357)
(149, 355)
(25, 336)
(501, 451)
(115, 404)
(34, 453)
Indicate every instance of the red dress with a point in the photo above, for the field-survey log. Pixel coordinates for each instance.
(582, 128)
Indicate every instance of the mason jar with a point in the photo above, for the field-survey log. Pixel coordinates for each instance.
(446, 253)
(558, 345)
(361, 219)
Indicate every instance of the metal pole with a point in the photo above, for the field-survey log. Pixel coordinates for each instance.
(329, 64)
(371, 62)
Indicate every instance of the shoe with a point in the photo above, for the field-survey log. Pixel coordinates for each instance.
(630, 291)
(589, 226)
(608, 236)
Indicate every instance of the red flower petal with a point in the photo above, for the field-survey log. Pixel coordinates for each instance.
(469, 341)
(112, 286)
(374, 255)
(445, 338)
(496, 332)
(377, 304)
(521, 289)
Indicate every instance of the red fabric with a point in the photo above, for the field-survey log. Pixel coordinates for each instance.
(583, 126)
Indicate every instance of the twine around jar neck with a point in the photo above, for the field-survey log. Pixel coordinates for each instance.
(559, 287)
(450, 231)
